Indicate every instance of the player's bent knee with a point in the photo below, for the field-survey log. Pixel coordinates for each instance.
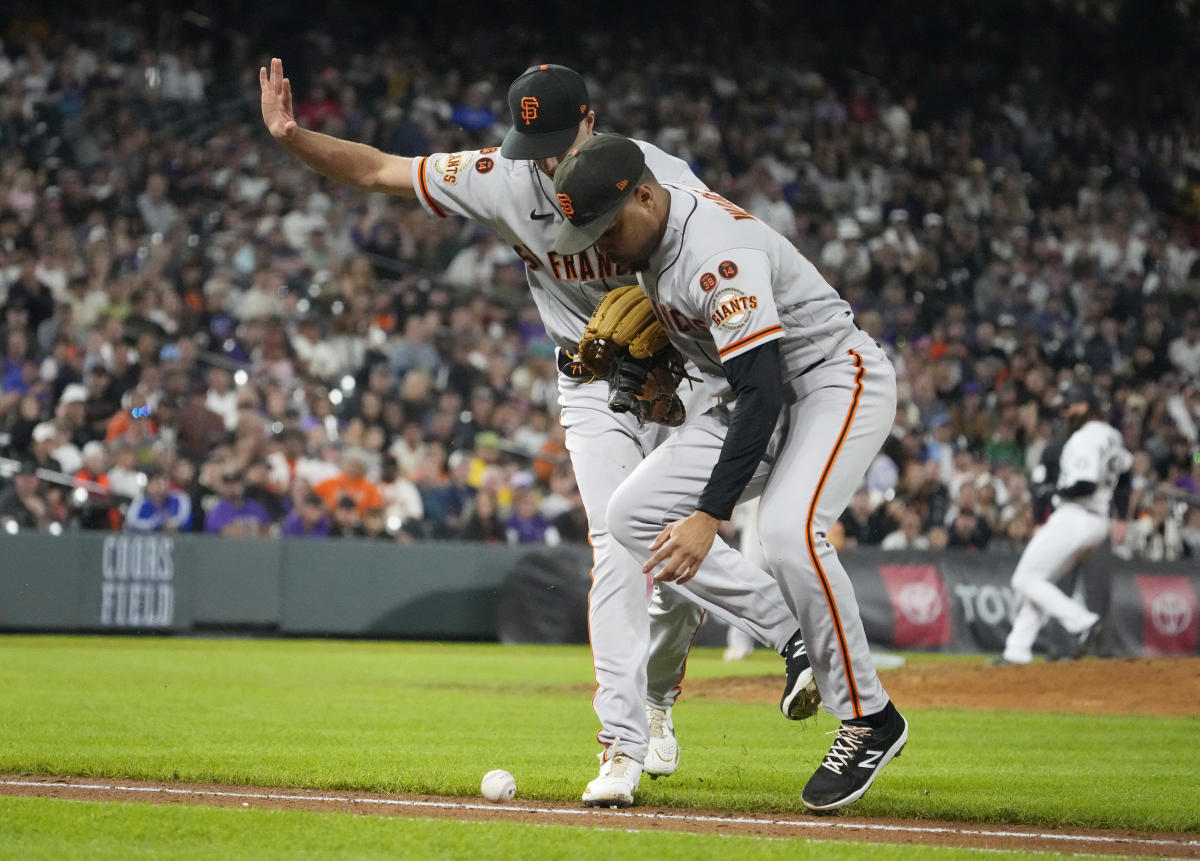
(1023, 579)
(630, 520)
(779, 532)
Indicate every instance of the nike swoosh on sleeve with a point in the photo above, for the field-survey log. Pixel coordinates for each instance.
(540, 216)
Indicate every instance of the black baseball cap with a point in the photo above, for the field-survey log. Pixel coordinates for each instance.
(592, 184)
(1079, 393)
(546, 103)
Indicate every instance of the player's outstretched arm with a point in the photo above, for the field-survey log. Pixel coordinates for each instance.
(343, 161)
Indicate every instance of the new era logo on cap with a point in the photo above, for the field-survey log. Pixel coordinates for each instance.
(592, 184)
(546, 103)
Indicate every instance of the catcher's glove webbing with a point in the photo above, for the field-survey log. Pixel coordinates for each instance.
(626, 345)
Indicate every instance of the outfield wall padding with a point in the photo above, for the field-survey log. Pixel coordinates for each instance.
(105, 582)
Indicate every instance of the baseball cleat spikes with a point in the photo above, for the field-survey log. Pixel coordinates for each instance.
(616, 783)
(801, 698)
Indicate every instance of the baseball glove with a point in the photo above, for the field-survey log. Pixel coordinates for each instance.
(626, 345)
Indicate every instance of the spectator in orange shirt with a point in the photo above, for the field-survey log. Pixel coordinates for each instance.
(353, 483)
(97, 510)
(135, 415)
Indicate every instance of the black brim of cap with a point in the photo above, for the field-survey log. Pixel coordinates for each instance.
(517, 145)
(572, 239)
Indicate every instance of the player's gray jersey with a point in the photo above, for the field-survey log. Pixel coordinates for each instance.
(722, 283)
(1096, 453)
(517, 200)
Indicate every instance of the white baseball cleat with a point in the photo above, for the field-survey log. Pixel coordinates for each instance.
(737, 651)
(662, 755)
(617, 782)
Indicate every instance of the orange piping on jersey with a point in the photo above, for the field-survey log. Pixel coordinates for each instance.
(683, 670)
(437, 210)
(812, 550)
(750, 339)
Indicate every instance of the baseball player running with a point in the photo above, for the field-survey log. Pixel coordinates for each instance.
(810, 399)
(1090, 468)
(638, 657)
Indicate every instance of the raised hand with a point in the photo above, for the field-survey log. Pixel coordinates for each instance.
(277, 100)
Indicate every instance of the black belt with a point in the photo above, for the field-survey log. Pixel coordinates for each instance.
(568, 365)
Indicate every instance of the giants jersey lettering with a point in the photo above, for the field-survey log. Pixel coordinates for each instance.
(1096, 453)
(517, 200)
(723, 282)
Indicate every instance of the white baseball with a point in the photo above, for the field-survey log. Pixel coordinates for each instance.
(498, 786)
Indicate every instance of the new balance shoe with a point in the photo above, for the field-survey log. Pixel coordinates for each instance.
(859, 753)
(616, 783)
(801, 699)
(662, 755)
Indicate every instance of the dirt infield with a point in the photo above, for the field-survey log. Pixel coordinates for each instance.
(1080, 687)
(839, 828)
(1159, 687)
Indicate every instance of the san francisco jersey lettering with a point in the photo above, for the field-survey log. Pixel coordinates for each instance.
(517, 201)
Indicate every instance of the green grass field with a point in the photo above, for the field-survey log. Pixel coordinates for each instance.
(432, 718)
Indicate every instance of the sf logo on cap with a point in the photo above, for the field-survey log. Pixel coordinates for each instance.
(564, 200)
(529, 109)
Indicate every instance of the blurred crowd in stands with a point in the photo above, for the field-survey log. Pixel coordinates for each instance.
(198, 334)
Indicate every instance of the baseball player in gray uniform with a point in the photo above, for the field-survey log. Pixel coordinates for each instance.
(1090, 469)
(808, 400)
(638, 656)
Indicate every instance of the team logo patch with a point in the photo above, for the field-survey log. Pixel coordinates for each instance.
(568, 208)
(728, 269)
(488, 149)
(449, 165)
(621, 185)
(731, 309)
(707, 282)
(529, 109)
(484, 165)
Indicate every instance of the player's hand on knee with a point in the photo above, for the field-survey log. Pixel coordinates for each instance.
(681, 548)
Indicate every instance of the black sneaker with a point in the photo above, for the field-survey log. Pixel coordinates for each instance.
(1086, 641)
(856, 758)
(801, 699)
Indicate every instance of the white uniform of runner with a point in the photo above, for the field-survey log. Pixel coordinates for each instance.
(1096, 453)
(517, 201)
(723, 283)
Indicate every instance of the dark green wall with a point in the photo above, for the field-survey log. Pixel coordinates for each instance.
(187, 583)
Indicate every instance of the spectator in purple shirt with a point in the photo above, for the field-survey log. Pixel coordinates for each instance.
(234, 514)
(526, 524)
(308, 520)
